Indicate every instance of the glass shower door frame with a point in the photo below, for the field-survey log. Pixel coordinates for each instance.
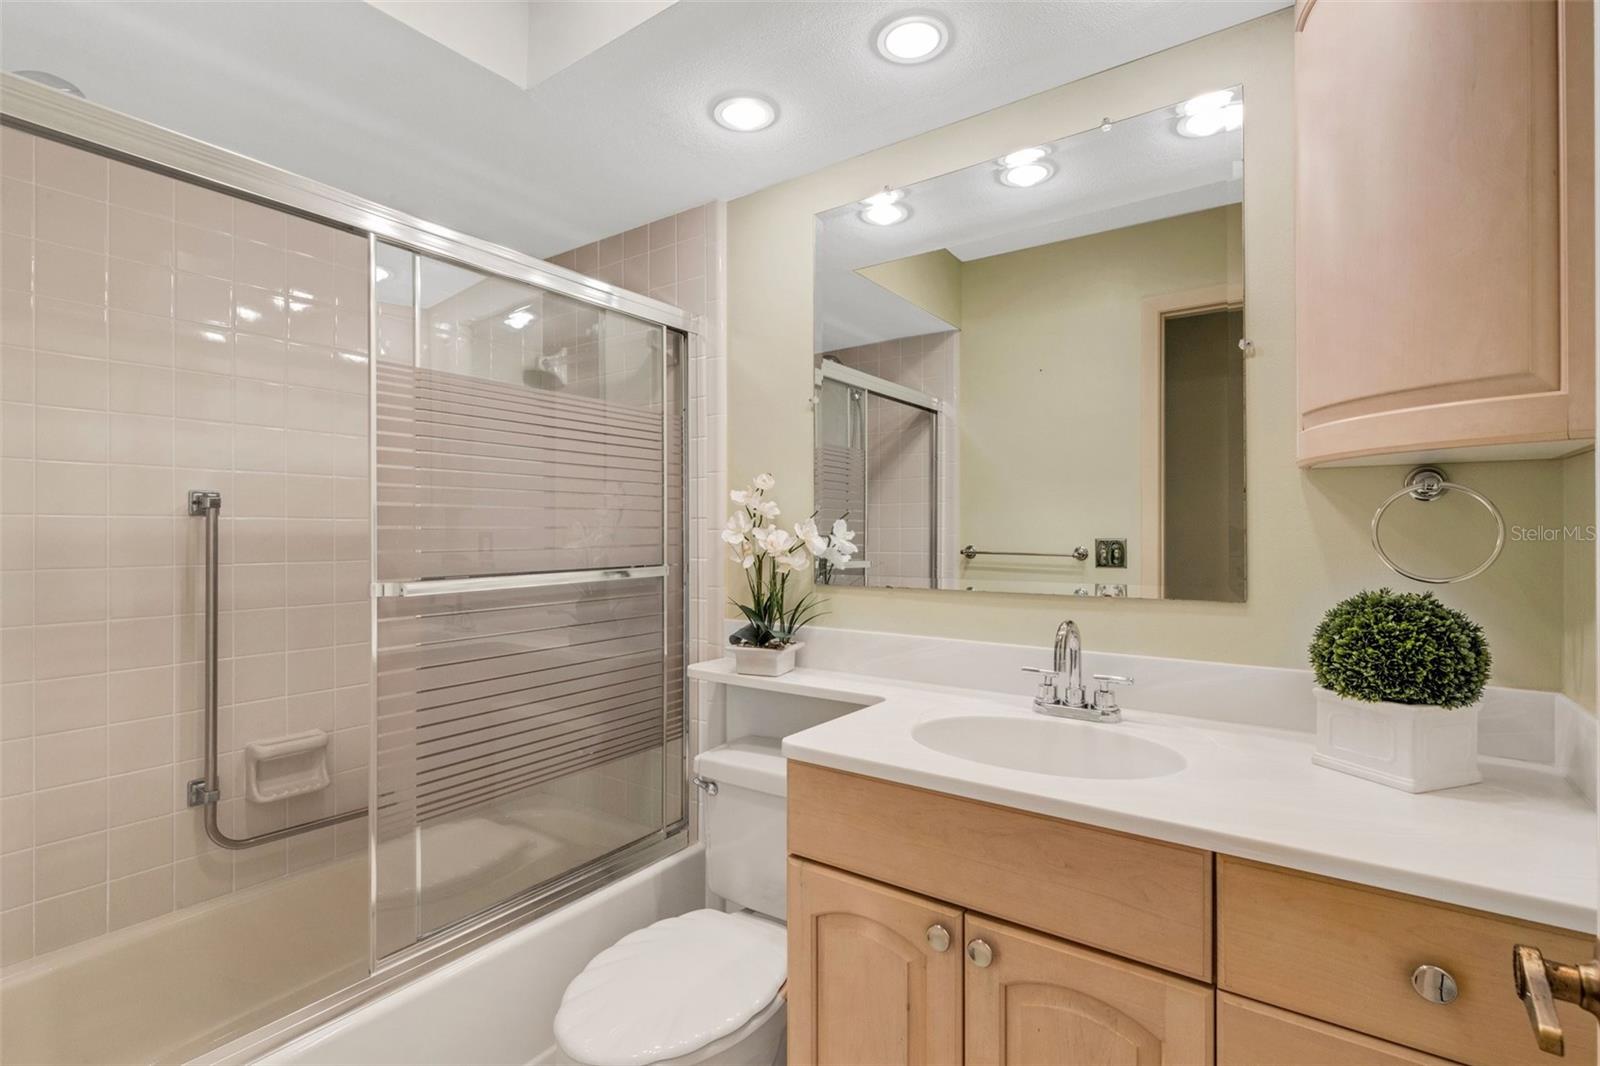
(674, 347)
(31, 107)
(872, 385)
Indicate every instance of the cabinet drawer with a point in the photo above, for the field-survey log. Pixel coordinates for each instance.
(1254, 1034)
(1345, 953)
(1138, 898)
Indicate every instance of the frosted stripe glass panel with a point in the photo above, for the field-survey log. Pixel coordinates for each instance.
(521, 733)
(478, 477)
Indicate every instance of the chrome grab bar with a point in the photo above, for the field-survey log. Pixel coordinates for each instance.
(1079, 553)
(207, 791)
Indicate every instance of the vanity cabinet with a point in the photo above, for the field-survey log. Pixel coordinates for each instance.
(931, 928)
(879, 976)
(874, 973)
(1444, 228)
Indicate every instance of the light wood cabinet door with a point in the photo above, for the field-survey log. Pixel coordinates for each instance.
(1254, 1034)
(1043, 1002)
(1444, 227)
(869, 984)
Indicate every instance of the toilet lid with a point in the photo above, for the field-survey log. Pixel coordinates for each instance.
(672, 988)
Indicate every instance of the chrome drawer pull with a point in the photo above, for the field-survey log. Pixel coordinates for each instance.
(1434, 984)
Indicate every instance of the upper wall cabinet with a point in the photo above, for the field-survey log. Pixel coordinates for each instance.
(1445, 229)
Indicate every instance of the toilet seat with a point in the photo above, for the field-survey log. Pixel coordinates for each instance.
(672, 988)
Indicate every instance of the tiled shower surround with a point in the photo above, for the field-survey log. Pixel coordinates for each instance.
(157, 337)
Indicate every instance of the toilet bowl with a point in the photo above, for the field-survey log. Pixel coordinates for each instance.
(704, 987)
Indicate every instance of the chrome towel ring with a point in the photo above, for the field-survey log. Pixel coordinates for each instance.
(1426, 484)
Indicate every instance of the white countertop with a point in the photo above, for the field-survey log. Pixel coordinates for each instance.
(1520, 843)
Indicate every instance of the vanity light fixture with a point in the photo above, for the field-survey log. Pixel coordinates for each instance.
(884, 208)
(1023, 156)
(912, 39)
(1210, 113)
(1026, 176)
(744, 114)
(520, 318)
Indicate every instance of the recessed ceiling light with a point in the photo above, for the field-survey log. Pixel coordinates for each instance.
(744, 114)
(887, 196)
(1027, 175)
(1210, 113)
(912, 39)
(1023, 156)
(520, 318)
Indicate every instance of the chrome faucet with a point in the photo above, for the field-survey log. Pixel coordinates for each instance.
(1069, 658)
(1070, 699)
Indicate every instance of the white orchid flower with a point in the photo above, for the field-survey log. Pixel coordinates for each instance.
(795, 560)
(766, 508)
(842, 532)
(743, 496)
(765, 482)
(814, 541)
(774, 540)
(741, 554)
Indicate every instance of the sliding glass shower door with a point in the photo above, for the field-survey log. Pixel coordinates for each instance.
(530, 590)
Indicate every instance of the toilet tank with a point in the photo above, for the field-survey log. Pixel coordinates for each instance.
(743, 824)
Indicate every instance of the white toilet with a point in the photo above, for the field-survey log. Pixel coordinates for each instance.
(707, 986)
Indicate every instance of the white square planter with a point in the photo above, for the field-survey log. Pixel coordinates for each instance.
(1418, 749)
(765, 662)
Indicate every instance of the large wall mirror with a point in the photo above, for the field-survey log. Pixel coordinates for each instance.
(1030, 372)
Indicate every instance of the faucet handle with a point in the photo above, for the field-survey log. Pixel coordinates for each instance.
(1104, 698)
(1047, 683)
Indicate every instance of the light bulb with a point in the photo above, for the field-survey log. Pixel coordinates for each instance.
(744, 114)
(884, 214)
(1023, 156)
(1027, 175)
(913, 39)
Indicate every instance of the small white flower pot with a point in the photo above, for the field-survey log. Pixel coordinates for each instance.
(765, 662)
(1414, 748)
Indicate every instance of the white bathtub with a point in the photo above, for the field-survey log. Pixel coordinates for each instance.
(498, 1004)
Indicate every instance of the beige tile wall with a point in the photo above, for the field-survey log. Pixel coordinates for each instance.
(155, 337)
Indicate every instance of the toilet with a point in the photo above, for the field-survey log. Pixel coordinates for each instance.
(704, 987)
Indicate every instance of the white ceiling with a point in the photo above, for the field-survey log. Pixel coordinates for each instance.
(339, 91)
(1140, 170)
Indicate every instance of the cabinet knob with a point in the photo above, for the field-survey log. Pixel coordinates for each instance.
(980, 953)
(938, 937)
(1433, 984)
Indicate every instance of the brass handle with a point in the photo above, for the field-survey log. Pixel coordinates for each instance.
(938, 937)
(1542, 984)
(980, 953)
(1434, 984)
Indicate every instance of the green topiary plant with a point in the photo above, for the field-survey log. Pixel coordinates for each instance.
(1400, 647)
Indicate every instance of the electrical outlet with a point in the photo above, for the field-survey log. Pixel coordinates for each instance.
(1111, 554)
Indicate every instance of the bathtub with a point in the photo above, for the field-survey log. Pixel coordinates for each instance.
(497, 1005)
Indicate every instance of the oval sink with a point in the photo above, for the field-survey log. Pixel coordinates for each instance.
(1049, 746)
